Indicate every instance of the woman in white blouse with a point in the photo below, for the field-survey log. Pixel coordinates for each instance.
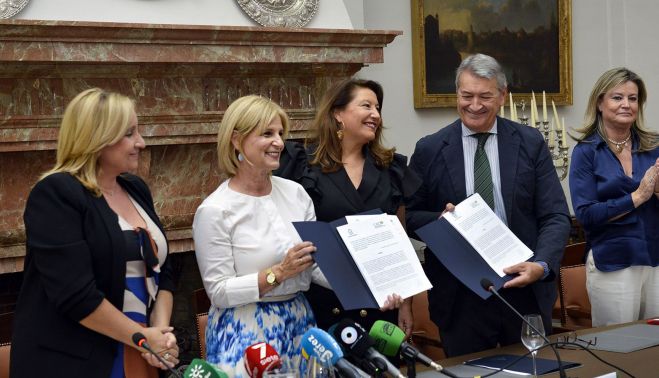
(253, 264)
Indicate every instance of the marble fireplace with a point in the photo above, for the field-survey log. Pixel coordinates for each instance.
(182, 78)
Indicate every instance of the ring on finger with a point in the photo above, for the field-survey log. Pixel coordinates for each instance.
(166, 356)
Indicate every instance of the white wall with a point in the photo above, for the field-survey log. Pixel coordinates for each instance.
(605, 34)
(355, 10)
(331, 14)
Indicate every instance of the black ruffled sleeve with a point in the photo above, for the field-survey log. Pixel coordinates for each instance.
(404, 179)
(294, 165)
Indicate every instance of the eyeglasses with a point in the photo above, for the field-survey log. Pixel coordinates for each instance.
(569, 341)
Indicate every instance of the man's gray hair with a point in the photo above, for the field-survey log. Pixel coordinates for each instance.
(483, 66)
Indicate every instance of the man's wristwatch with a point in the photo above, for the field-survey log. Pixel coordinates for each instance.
(271, 278)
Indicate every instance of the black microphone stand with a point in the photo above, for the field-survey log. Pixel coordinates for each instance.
(410, 364)
(487, 285)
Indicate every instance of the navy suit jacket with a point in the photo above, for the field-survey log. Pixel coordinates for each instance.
(534, 201)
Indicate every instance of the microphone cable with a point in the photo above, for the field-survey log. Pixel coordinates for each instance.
(489, 286)
(558, 344)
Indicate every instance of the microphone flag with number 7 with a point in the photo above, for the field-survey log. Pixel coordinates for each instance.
(259, 358)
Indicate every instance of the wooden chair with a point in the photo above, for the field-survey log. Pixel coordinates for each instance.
(425, 334)
(575, 305)
(4, 360)
(574, 254)
(200, 321)
(201, 305)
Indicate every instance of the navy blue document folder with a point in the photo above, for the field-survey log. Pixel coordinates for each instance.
(337, 264)
(459, 257)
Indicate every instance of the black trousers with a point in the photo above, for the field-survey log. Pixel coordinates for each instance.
(478, 324)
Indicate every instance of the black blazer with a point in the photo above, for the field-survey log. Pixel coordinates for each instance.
(334, 196)
(75, 258)
(536, 209)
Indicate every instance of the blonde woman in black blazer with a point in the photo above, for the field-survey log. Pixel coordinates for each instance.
(70, 317)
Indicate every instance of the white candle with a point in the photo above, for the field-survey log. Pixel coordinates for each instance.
(551, 137)
(532, 112)
(544, 106)
(534, 106)
(510, 101)
(557, 122)
(563, 134)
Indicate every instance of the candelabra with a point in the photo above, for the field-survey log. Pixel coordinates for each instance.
(558, 150)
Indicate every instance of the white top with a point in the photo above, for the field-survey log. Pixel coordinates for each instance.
(237, 235)
(136, 267)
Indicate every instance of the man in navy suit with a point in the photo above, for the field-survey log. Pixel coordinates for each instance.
(521, 186)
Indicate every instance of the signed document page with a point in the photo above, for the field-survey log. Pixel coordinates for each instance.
(489, 236)
(384, 255)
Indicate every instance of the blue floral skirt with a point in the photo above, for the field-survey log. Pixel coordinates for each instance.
(281, 324)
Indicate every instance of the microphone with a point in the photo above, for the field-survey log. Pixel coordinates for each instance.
(200, 368)
(369, 366)
(318, 343)
(140, 340)
(390, 340)
(375, 368)
(487, 285)
(353, 338)
(259, 358)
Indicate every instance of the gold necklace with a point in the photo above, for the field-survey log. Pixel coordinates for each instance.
(619, 146)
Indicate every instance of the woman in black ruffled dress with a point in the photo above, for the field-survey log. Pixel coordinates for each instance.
(346, 170)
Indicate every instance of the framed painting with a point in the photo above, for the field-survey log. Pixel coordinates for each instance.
(531, 39)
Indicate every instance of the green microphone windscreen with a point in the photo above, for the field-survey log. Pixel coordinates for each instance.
(388, 337)
(201, 368)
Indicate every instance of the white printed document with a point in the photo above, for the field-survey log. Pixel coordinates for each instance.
(384, 255)
(487, 234)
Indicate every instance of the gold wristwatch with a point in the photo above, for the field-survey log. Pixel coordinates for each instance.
(271, 278)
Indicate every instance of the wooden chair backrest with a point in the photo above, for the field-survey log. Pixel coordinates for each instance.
(4, 360)
(575, 304)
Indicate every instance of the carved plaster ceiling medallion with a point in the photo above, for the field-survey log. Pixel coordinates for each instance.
(10, 8)
(284, 13)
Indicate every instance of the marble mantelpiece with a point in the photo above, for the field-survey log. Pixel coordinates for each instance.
(182, 78)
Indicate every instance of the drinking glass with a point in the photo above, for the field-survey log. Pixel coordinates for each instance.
(531, 339)
(319, 369)
(285, 370)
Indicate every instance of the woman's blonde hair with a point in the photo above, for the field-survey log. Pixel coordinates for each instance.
(93, 120)
(323, 137)
(246, 114)
(648, 140)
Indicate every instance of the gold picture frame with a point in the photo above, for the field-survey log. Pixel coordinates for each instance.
(534, 46)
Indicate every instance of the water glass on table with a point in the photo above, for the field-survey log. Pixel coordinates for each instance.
(285, 370)
(318, 369)
(533, 338)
